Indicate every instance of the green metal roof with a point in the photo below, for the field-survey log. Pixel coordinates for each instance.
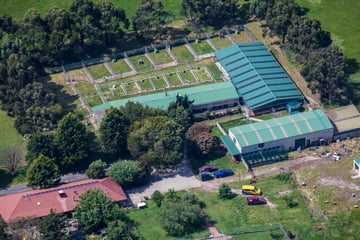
(200, 94)
(280, 128)
(357, 160)
(233, 150)
(257, 76)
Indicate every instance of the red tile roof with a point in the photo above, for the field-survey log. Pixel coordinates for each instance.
(39, 202)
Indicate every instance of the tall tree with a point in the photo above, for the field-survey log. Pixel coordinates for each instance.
(114, 131)
(325, 72)
(157, 141)
(182, 216)
(210, 12)
(201, 141)
(110, 21)
(134, 111)
(305, 34)
(120, 230)
(40, 143)
(150, 18)
(96, 169)
(42, 172)
(51, 225)
(11, 158)
(3, 228)
(124, 172)
(85, 16)
(260, 7)
(279, 17)
(95, 210)
(71, 141)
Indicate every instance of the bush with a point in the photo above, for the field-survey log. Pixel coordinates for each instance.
(157, 197)
(96, 169)
(225, 192)
(124, 172)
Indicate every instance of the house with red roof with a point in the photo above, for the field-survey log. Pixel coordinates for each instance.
(64, 198)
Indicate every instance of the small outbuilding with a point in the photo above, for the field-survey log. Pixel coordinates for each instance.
(356, 168)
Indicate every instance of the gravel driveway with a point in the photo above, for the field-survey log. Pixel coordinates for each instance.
(180, 177)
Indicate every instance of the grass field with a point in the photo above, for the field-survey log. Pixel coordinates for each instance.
(221, 42)
(98, 71)
(182, 54)
(202, 47)
(8, 134)
(161, 57)
(120, 66)
(143, 66)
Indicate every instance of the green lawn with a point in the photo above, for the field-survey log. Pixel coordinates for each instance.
(173, 79)
(182, 54)
(161, 57)
(187, 77)
(202, 74)
(143, 66)
(159, 82)
(202, 47)
(98, 71)
(221, 42)
(214, 70)
(131, 88)
(145, 84)
(120, 66)
(88, 91)
(8, 134)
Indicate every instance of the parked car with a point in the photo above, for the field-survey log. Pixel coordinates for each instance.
(204, 176)
(223, 173)
(255, 200)
(251, 190)
(208, 168)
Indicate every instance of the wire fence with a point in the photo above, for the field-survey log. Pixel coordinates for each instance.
(143, 50)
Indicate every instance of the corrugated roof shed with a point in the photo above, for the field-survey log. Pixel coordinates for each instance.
(257, 76)
(200, 94)
(280, 128)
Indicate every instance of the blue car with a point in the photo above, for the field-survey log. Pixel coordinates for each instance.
(223, 173)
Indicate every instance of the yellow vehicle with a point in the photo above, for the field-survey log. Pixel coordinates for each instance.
(251, 190)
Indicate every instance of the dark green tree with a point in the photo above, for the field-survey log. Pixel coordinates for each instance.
(96, 169)
(260, 7)
(156, 141)
(211, 12)
(42, 173)
(134, 111)
(157, 197)
(114, 131)
(150, 18)
(110, 21)
(40, 143)
(181, 217)
(3, 228)
(95, 211)
(120, 230)
(86, 25)
(51, 225)
(225, 192)
(305, 35)
(71, 141)
(325, 73)
(124, 172)
(280, 16)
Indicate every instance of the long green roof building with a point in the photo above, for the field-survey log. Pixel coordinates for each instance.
(264, 139)
(259, 79)
(210, 97)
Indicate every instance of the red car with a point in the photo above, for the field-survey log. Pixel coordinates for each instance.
(255, 200)
(208, 168)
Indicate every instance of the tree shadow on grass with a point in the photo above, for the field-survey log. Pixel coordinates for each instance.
(7, 179)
